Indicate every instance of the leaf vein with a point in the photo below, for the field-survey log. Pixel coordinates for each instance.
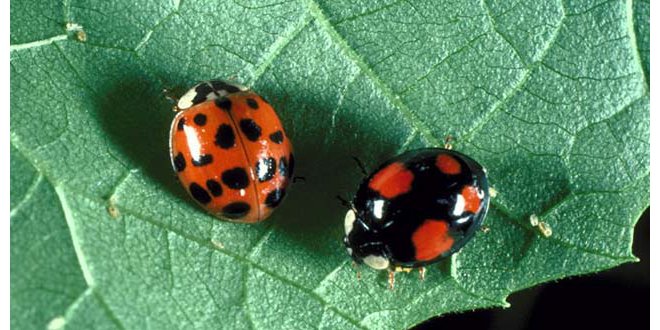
(278, 46)
(633, 43)
(244, 260)
(475, 294)
(257, 246)
(369, 12)
(28, 194)
(244, 296)
(37, 43)
(521, 82)
(329, 136)
(491, 20)
(408, 141)
(330, 275)
(350, 54)
(111, 314)
(190, 266)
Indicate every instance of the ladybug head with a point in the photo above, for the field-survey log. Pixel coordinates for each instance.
(363, 243)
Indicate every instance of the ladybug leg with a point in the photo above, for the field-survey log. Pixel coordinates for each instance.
(402, 269)
(169, 95)
(346, 203)
(448, 140)
(390, 279)
(422, 273)
(357, 270)
(361, 166)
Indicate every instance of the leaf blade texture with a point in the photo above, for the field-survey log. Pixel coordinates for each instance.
(551, 97)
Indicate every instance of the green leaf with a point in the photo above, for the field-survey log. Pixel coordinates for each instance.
(551, 96)
(45, 275)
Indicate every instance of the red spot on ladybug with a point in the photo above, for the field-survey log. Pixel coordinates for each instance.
(431, 239)
(472, 199)
(393, 180)
(448, 164)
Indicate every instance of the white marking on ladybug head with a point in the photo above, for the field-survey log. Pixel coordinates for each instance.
(350, 251)
(459, 207)
(185, 101)
(349, 219)
(378, 208)
(376, 262)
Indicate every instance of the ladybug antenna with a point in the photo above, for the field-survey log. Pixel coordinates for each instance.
(448, 141)
(345, 203)
(297, 179)
(169, 95)
(360, 165)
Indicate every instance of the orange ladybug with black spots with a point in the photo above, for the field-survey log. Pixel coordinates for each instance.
(230, 151)
(416, 209)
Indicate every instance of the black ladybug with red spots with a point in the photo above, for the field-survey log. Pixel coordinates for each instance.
(416, 209)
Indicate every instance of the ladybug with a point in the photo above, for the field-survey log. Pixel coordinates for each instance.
(230, 151)
(416, 209)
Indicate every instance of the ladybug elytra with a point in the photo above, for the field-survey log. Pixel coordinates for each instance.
(230, 151)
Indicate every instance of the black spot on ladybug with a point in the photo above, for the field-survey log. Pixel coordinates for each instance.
(224, 137)
(180, 124)
(220, 85)
(252, 103)
(223, 103)
(284, 167)
(214, 187)
(236, 178)
(200, 119)
(179, 162)
(203, 160)
(201, 93)
(291, 163)
(275, 197)
(199, 193)
(265, 169)
(251, 130)
(236, 210)
(277, 137)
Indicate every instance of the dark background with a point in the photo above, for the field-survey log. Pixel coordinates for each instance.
(618, 298)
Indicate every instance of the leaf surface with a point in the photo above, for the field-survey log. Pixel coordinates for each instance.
(550, 96)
